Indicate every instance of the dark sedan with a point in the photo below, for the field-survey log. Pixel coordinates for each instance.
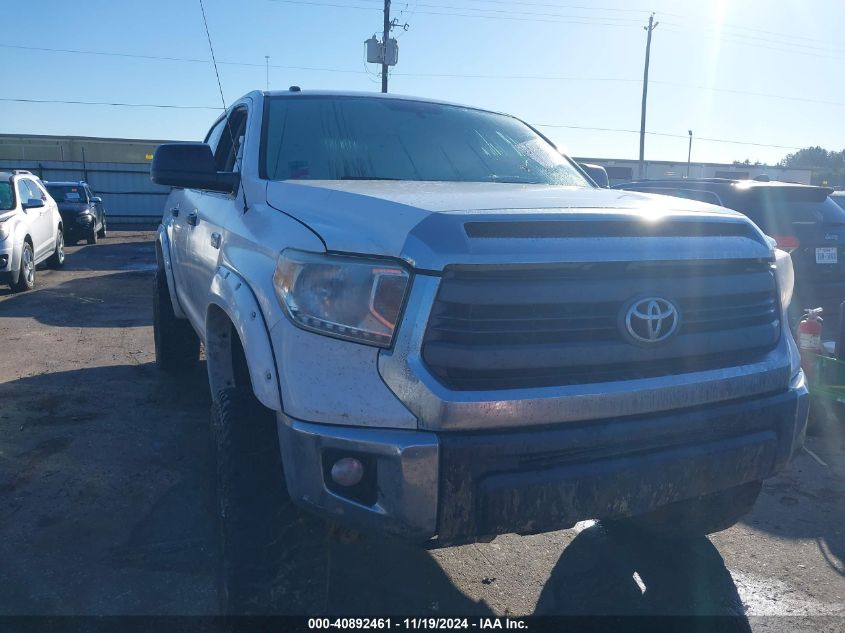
(83, 213)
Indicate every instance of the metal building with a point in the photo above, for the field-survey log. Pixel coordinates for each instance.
(118, 170)
(620, 170)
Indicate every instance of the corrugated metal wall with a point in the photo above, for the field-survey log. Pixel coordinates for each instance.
(130, 197)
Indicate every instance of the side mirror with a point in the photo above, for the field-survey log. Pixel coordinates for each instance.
(190, 166)
(597, 173)
(96, 200)
(33, 203)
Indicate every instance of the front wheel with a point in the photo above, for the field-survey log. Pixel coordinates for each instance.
(57, 259)
(102, 232)
(274, 556)
(699, 516)
(92, 236)
(26, 274)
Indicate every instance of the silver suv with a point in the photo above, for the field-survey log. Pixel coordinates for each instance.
(31, 229)
(421, 319)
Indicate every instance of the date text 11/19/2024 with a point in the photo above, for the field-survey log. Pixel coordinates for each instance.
(416, 623)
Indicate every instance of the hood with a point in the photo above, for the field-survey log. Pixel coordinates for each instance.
(73, 208)
(433, 224)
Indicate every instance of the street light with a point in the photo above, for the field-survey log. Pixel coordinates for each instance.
(689, 153)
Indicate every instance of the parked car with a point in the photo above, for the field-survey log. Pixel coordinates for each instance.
(804, 220)
(83, 213)
(421, 319)
(30, 229)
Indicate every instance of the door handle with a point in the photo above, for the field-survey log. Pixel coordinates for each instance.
(174, 212)
(215, 240)
(192, 218)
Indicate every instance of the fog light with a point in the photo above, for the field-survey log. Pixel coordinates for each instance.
(347, 471)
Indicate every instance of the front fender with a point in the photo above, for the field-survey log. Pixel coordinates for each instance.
(17, 235)
(163, 252)
(231, 294)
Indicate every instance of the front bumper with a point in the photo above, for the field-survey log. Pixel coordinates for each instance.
(6, 260)
(458, 486)
(76, 231)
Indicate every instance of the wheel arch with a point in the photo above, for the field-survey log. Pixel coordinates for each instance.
(234, 312)
(164, 262)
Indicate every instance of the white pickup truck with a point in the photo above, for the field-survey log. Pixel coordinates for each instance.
(421, 319)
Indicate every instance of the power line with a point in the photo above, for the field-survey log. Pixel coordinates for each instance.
(111, 103)
(666, 134)
(485, 76)
(511, 12)
(730, 38)
(695, 20)
(584, 20)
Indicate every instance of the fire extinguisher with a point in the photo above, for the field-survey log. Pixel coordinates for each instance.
(810, 339)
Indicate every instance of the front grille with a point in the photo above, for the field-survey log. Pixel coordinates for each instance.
(531, 326)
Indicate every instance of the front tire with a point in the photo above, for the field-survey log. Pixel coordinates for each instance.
(274, 556)
(92, 236)
(177, 346)
(57, 259)
(700, 516)
(102, 232)
(26, 273)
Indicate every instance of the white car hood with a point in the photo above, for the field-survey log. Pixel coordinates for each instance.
(424, 223)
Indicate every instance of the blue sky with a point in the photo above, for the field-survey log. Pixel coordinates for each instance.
(551, 62)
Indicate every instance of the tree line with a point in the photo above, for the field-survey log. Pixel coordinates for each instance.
(828, 166)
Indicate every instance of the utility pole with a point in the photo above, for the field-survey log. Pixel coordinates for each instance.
(267, 71)
(385, 37)
(689, 153)
(651, 26)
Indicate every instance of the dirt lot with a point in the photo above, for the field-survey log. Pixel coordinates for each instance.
(106, 505)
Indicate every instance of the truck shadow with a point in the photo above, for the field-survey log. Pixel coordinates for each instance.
(132, 252)
(618, 571)
(122, 299)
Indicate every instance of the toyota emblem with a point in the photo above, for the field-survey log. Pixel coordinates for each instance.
(651, 320)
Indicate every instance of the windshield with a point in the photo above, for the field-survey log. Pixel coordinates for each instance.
(67, 193)
(357, 138)
(7, 200)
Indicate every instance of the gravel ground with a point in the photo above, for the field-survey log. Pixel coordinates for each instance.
(106, 501)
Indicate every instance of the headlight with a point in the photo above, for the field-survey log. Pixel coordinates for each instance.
(84, 219)
(785, 277)
(346, 297)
